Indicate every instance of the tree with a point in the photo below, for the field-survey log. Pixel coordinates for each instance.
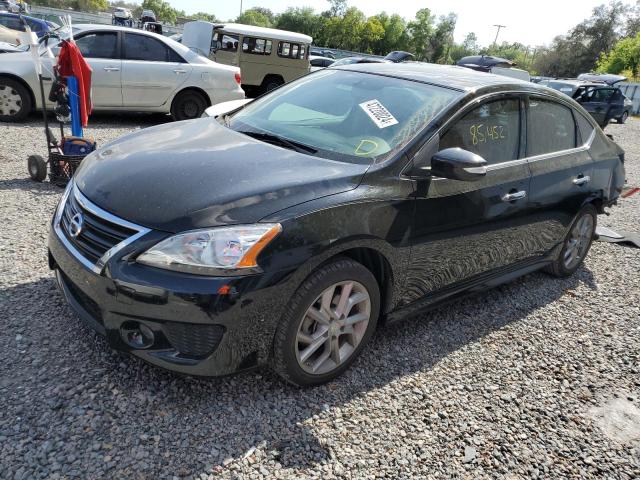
(395, 35)
(580, 49)
(303, 20)
(421, 30)
(338, 8)
(164, 12)
(442, 38)
(625, 55)
(207, 17)
(469, 46)
(372, 31)
(345, 32)
(92, 5)
(255, 17)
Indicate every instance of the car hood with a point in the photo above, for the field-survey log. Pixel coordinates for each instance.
(197, 174)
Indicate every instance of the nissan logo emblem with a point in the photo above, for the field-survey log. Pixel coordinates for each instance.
(75, 226)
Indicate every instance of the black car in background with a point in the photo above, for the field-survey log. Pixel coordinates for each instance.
(603, 101)
(283, 233)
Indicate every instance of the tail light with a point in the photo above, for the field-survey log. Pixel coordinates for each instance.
(238, 78)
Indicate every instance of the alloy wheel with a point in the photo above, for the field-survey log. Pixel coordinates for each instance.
(578, 242)
(333, 327)
(10, 100)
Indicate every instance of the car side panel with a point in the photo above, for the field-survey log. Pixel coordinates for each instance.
(366, 217)
(557, 192)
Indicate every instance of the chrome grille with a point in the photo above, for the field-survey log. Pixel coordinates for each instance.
(91, 234)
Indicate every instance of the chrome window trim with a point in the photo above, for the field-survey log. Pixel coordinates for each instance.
(97, 211)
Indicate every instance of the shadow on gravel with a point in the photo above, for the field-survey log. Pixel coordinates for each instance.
(26, 184)
(102, 120)
(119, 416)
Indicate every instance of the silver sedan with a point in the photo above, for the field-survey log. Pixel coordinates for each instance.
(133, 70)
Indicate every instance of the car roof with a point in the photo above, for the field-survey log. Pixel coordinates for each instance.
(450, 76)
(115, 28)
(241, 29)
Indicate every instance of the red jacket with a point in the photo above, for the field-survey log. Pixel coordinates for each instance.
(72, 63)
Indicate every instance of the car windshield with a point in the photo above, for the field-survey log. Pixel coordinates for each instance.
(345, 115)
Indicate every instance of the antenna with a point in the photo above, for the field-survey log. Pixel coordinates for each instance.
(495, 41)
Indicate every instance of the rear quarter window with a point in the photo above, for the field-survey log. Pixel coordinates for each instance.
(585, 129)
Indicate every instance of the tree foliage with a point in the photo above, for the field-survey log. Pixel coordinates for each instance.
(260, 17)
(579, 50)
(624, 56)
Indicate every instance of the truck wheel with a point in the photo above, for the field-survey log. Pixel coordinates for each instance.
(37, 168)
(15, 101)
(271, 84)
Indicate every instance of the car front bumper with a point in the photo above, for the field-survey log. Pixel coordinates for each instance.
(201, 326)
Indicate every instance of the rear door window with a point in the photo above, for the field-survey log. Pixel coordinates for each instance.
(99, 45)
(491, 130)
(550, 127)
(145, 48)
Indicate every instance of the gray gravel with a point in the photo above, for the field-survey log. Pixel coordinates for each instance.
(536, 379)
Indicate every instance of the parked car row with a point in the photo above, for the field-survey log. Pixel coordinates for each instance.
(133, 70)
(604, 101)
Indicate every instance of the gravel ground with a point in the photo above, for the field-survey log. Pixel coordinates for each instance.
(539, 378)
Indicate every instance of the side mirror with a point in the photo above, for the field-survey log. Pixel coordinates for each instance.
(458, 164)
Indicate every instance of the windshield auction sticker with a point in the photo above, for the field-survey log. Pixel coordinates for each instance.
(378, 113)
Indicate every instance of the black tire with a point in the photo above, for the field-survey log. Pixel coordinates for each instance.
(10, 87)
(623, 117)
(558, 268)
(37, 168)
(188, 105)
(271, 84)
(284, 360)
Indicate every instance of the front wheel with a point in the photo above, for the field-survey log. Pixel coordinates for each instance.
(329, 320)
(576, 244)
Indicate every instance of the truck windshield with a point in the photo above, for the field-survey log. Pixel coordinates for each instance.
(343, 114)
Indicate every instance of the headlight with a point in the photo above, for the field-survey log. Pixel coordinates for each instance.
(212, 251)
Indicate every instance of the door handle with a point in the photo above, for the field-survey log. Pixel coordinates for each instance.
(581, 180)
(513, 196)
(179, 71)
(111, 69)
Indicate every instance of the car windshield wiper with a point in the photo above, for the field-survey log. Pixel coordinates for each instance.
(281, 141)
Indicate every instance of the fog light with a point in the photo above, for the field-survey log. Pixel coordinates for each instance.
(136, 335)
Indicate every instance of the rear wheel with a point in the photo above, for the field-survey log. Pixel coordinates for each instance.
(327, 323)
(623, 117)
(37, 168)
(15, 101)
(271, 83)
(576, 244)
(188, 105)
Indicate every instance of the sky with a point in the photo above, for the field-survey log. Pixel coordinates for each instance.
(531, 23)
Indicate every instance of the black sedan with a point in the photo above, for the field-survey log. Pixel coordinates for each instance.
(285, 232)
